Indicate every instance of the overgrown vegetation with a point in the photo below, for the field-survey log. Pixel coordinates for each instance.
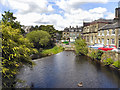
(81, 47)
(16, 51)
(54, 50)
(95, 54)
(116, 64)
(108, 61)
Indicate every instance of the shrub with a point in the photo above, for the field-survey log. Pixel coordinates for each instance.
(92, 54)
(108, 61)
(81, 47)
(99, 54)
(116, 64)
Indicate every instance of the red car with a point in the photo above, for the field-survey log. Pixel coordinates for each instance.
(107, 47)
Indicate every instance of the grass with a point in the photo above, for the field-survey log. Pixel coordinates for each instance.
(52, 51)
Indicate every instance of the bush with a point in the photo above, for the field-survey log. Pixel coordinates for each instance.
(116, 64)
(81, 47)
(92, 54)
(108, 61)
(99, 54)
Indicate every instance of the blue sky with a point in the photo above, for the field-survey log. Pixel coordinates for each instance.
(60, 13)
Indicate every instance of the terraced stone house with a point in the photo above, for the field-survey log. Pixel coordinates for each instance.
(90, 30)
(103, 31)
(71, 33)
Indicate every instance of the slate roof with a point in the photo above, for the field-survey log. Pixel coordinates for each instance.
(109, 26)
(77, 29)
(103, 20)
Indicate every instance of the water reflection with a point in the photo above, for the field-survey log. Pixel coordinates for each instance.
(66, 70)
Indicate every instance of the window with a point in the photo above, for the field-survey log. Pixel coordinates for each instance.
(98, 40)
(98, 33)
(70, 34)
(119, 43)
(112, 41)
(102, 41)
(107, 32)
(119, 31)
(102, 32)
(77, 34)
(95, 39)
(113, 32)
(91, 39)
(107, 41)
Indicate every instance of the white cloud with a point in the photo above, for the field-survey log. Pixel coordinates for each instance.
(32, 12)
(28, 6)
(110, 15)
(98, 10)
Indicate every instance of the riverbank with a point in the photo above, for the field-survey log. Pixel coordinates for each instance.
(107, 58)
(48, 52)
(54, 50)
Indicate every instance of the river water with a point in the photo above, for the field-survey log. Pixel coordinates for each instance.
(66, 70)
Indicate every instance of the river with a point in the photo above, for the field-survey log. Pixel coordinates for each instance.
(66, 70)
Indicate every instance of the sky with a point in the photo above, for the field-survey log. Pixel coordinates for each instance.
(60, 13)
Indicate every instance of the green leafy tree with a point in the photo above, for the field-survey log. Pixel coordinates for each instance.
(9, 20)
(16, 51)
(39, 38)
(81, 47)
(50, 29)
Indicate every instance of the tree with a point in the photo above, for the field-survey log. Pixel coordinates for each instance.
(38, 38)
(9, 20)
(16, 51)
(48, 28)
(81, 47)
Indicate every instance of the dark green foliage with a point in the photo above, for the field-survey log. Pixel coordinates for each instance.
(81, 47)
(108, 61)
(99, 54)
(9, 20)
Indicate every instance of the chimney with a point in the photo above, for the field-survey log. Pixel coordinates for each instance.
(117, 14)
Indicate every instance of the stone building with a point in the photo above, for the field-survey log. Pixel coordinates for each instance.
(103, 31)
(71, 33)
(90, 30)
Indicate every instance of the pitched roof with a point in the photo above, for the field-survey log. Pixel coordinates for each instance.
(109, 26)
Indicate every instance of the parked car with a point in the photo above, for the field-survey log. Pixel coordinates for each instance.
(116, 50)
(96, 46)
(107, 47)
